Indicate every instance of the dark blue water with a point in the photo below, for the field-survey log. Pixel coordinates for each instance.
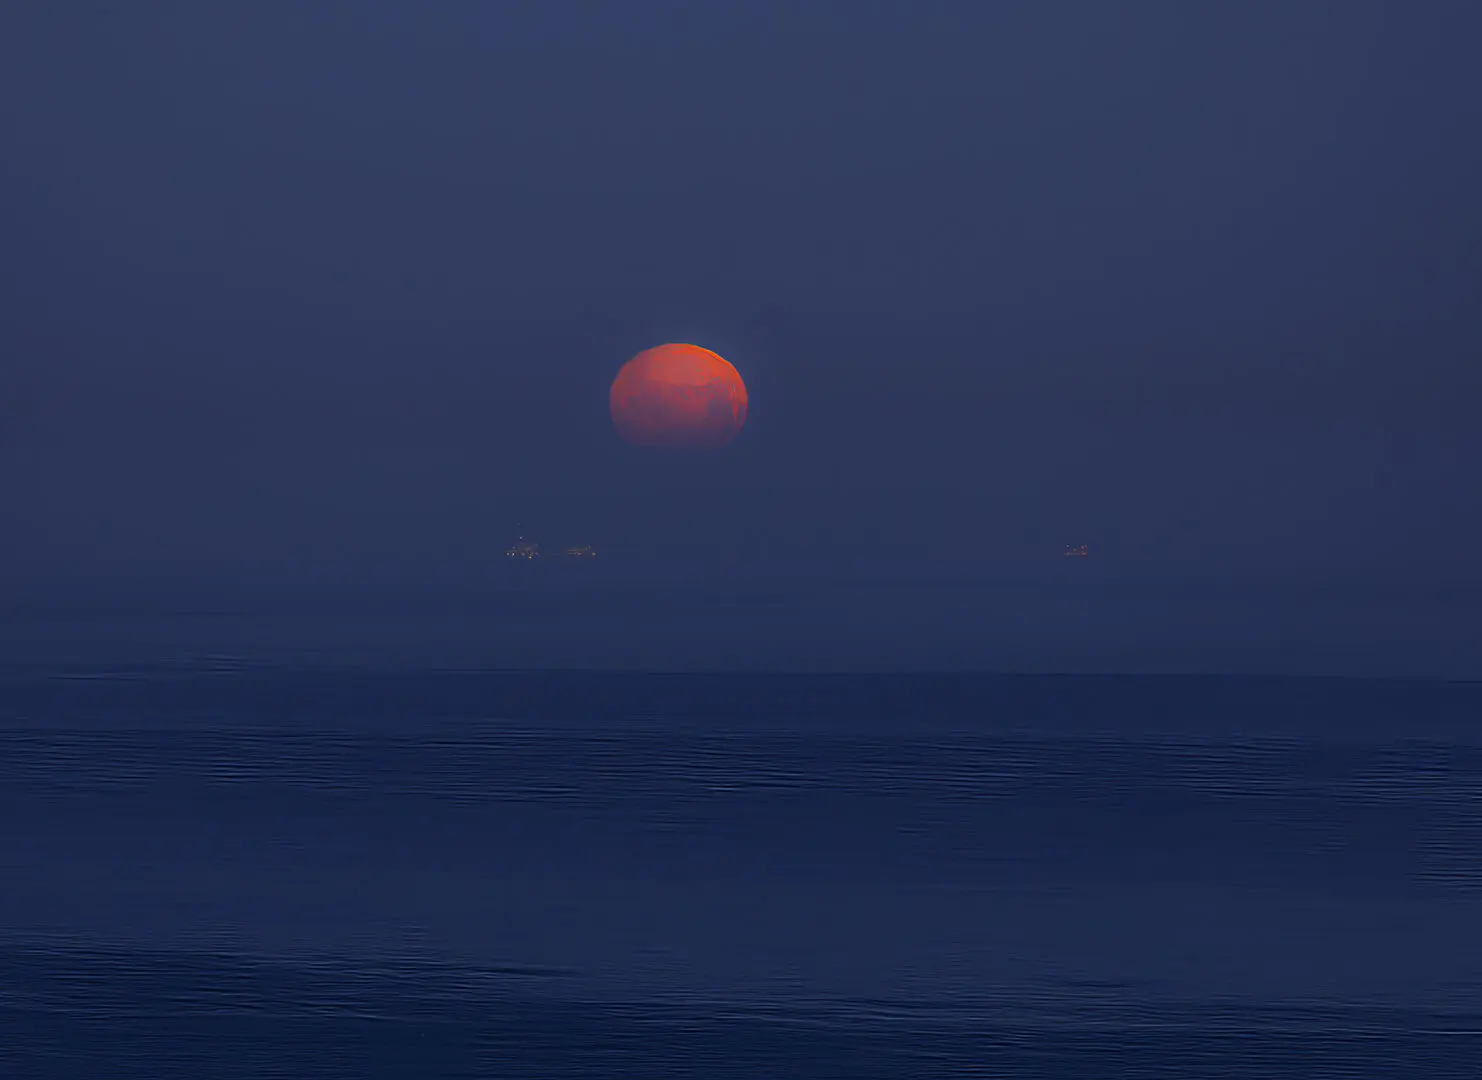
(235, 872)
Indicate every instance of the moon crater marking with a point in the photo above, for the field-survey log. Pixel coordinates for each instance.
(678, 395)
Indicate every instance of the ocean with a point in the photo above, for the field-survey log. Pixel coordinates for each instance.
(219, 870)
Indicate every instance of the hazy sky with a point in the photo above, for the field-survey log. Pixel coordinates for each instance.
(296, 292)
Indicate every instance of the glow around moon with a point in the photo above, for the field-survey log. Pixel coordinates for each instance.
(678, 396)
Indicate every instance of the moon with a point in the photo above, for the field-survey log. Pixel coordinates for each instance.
(678, 396)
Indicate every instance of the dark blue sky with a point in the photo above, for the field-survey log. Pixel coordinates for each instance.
(329, 295)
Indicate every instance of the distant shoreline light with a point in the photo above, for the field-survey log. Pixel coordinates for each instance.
(529, 549)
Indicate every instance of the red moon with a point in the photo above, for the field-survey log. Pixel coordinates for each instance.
(678, 395)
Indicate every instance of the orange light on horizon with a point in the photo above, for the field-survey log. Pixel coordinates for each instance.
(678, 395)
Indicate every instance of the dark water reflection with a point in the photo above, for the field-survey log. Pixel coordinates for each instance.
(239, 872)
